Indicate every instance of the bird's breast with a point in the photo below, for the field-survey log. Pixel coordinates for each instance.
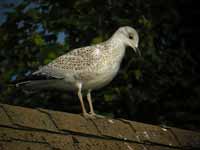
(101, 77)
(105, 68)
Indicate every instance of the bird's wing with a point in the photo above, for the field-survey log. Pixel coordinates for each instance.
(73, 62)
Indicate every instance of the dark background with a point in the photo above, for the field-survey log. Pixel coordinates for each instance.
(161, 87)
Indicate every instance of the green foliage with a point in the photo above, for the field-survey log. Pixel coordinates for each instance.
(96, 40)
(138, 74)
(156, 88)
(38, 40)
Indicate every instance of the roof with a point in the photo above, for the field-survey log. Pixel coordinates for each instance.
(40, 129)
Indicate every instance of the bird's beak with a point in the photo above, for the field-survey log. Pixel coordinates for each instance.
(137, 51)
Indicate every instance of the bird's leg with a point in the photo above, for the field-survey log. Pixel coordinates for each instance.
(90, 103)
(92, 113)
(81, 100)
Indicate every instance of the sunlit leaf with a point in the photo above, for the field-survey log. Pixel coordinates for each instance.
(138, 74)
(46, 61)
(52, 55)
(108, 97)
(38, 40)
(97, 39)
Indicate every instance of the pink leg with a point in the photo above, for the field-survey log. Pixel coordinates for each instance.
(90, 103)
(81, 100)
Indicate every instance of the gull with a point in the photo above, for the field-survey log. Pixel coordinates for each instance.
(86, 68)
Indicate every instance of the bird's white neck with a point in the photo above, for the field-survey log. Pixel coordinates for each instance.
(117, 40)
(118, 48)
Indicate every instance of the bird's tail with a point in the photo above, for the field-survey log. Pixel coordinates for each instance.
(37, 85)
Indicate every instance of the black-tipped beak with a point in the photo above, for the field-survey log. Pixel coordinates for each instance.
(137, 51)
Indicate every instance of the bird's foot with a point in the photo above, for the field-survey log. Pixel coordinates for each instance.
(96, 115)
(88, 116)
(92, 116)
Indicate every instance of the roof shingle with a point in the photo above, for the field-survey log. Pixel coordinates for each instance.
(40, 129)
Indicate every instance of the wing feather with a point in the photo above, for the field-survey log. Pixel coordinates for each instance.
(73, 62)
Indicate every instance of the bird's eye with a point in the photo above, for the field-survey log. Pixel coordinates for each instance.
(130, 36)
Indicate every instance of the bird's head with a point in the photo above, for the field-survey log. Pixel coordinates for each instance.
(129, 37)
